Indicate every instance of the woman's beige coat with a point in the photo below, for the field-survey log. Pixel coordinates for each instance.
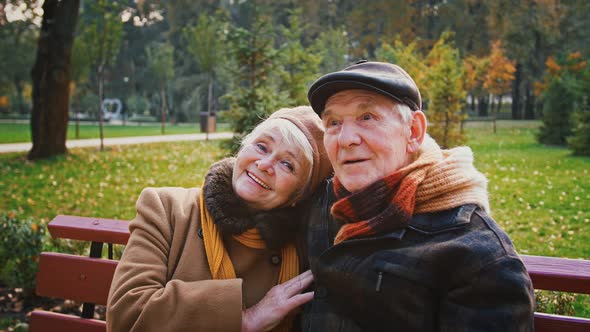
(163, 283)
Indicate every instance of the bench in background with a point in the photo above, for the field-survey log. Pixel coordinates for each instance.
(87, 279)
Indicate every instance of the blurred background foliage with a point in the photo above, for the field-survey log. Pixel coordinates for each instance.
(179, 61)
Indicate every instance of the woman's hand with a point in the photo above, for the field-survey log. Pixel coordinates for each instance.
(277, 303)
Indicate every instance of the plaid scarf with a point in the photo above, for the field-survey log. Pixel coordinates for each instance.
(436, 180)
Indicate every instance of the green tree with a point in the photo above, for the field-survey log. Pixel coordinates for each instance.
(300, 65)
(367, 23)
(445, 92)
(476, 68)
(468, 19)
(563, 91)
(332, 46)
(440, 78)
(406, 56)
(579, 141)
(16, 59)
(529, 31)
(160, 58)
(253, 93)
(559, 100)
(137, 104)
(101, 31)
(205, 42)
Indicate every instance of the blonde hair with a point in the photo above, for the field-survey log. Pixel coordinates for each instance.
(289, 131)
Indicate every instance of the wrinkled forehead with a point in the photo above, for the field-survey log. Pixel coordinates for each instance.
(363, 99)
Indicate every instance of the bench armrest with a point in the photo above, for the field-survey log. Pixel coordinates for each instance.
(559, 274)
(89, 229)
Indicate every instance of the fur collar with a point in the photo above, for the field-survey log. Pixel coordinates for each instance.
(277, 227)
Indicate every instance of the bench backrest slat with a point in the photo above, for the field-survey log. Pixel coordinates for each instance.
(89, 229)
(552, 323)
(559, 274)
(45, 321)
(73, 277)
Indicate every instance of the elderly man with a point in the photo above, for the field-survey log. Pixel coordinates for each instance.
(400, 239)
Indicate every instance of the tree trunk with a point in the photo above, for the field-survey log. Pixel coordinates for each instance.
(100, 100)
(18, 85)
(163, 111)
(209, 106)
(516, 93)
(529, 106)
(51, 75)
(482, 106)
(497, 110)
(77, 124)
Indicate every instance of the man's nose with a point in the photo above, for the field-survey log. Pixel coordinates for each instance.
(349, 135)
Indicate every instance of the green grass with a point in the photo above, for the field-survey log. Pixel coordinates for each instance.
(103, 184)
(20, 133)
(539, 195)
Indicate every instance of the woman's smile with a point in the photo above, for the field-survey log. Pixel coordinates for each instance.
(257, 180)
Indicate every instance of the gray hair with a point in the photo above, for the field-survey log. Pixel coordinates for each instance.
(405, 112)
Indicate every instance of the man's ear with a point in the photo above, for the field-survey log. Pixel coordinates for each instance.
(417, 131)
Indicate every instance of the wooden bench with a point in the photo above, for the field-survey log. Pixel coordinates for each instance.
(87, 279)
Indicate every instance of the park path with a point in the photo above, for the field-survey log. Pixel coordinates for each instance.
(80, 143)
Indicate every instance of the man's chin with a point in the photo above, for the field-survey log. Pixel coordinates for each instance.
(352, 184)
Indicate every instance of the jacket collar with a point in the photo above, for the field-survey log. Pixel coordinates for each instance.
(442, 221)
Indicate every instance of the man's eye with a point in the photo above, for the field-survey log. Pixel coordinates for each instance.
(367, 116)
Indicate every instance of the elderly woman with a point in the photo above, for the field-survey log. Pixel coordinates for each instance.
(223, 258)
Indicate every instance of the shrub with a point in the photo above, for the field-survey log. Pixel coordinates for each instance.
(142, 118)
(579, 141)
(558, 104)
(20, 244)
(137, 104)
(557, 303)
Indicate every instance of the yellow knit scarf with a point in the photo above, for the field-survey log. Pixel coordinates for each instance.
(220, 263)
(449, 178)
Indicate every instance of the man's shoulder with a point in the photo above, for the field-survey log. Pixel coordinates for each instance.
(467, 232)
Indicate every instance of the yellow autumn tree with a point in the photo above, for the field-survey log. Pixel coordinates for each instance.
(499, 74)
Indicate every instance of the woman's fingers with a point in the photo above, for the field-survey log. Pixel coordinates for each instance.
(300, 299)
(297, 284)
(277, 303)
